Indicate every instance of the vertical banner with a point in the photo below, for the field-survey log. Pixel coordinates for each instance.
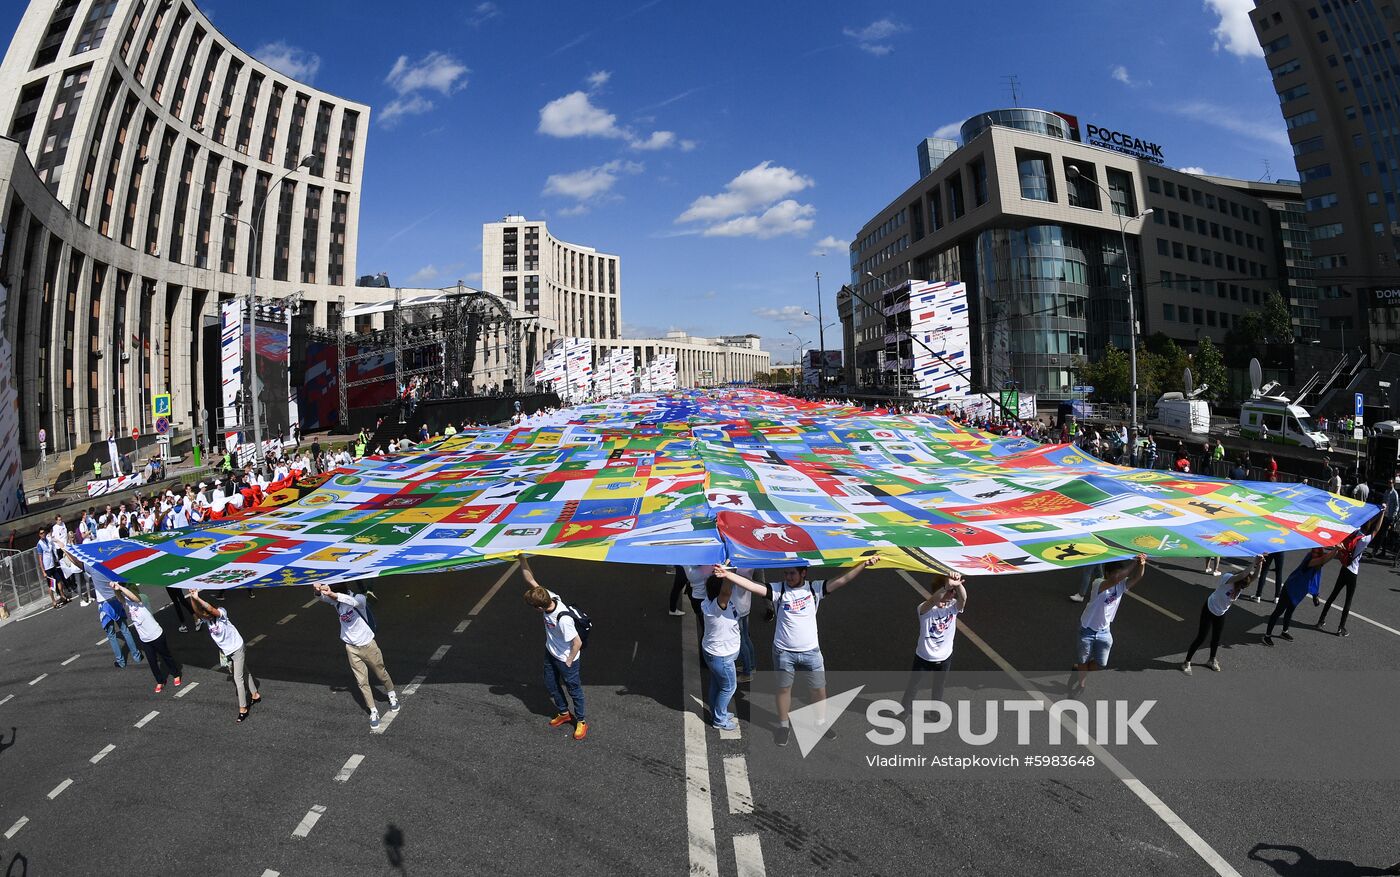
(567, 368)
(938, 317)
(659, 374)
(11, 469)
(231, 369)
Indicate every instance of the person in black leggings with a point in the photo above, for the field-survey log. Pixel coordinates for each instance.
(178, 601)
(1275, 561)
(677, 588)
(1213, 613)
(1304, 580)
(1346, 578)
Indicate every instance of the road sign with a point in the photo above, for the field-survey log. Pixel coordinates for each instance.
(160, 405)
(162, 425)
(1360, 405)
(135, 434)
(1086, 389)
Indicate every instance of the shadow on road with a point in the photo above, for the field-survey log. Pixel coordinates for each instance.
(1294, 861)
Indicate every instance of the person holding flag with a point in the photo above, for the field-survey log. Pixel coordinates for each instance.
(1214, 609)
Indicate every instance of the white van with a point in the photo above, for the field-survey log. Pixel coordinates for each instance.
(1178, 415)
(1275, 419)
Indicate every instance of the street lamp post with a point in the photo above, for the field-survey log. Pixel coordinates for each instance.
(1074, 173)
(821, 332)
(797, 358)
(307, 161)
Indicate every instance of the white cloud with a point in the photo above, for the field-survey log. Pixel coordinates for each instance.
(423, 276)
(574, 115)
(948, 131)
(1198, 171)
(872, 38)
(791, 315)
(412, 105)
(756, 187)
(483, 13)
(297, 63)
(1120, 73)
(589, 183)
(830, 243)
(598, 79)
(785, 217)
(435, 71)
(657, 140)
(1235, 32)
(1229, 119)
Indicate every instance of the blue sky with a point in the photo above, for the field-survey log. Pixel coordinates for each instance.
(721, 148)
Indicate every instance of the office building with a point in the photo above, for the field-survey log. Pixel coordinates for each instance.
(138, 144)
(700, 362)
(1033, 212)
(1334, 66)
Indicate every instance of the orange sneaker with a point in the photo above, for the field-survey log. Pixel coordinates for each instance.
(561, 719)
(580, 730)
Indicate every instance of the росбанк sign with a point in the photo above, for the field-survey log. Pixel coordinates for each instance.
(1125, 143)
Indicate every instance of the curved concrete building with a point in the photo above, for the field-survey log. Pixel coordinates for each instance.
(137, 143)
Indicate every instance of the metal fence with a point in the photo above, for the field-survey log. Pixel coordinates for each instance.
(23, 586)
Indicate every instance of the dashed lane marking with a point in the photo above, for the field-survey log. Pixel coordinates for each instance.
(349, 768)
(150, 715)
(106, 750)
(412, 687)
(70, 660)
(463, 626)
(736, 783)
(748, 855)
(1167, 612)
(6, 699)
(186, 688)
(309, 821)
(257, 639)
(481, 604)
(40, 678)
(1165, 813)
(288, 618)
(14, 829)
(99, 642)
(268, 872)
(312, 602)
(58, 789)
(438, 655)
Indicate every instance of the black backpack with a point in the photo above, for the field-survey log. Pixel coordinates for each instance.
(582, 623)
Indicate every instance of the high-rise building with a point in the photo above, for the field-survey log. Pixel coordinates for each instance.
(1034, 217)
(574, 290)
(1334, 66)
(138, 145)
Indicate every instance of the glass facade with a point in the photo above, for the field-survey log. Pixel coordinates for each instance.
(1020, 118)
(1034, 171)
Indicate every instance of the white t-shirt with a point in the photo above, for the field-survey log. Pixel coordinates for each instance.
(224, 634)
(796, 609)
(937, 627)
(698, 576)
(721, 628)
(141, 618)
(1354, 564)
(59, 535)
(1098, 615)
(559, 630)
(353, 628)
(108, 532)
(1223, 597)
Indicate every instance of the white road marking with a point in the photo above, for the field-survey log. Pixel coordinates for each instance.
(1353, 615)
(349, 768)
(312, 602)
(699, 800)
(412, 687)
(14, 829)
(1165, 813)
(70, 660)
(735, 734)
(386, 718)
(438, 655)
(288, 618)
(58, 789)
(309, 821)
(1167, 612)
(268, 872)
(186, 688)
(257, 639)
(481, 604)
(634, 649)
(736, 783)
(40, 678)
(103, 754)
(6, 699)
(463, 626)
(150, 715)
(99, 642)
(748, 855)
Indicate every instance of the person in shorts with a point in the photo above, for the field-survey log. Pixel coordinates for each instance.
(1095, 634)
(795, 642)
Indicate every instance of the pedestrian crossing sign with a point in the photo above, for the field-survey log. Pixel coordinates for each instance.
(160, 405)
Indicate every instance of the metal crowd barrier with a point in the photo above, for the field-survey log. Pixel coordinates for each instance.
(23, 586)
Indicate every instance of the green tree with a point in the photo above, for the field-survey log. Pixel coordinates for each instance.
(1271, 324)
(1108, 376)
(1208, 369)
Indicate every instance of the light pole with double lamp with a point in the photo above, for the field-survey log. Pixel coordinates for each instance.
(307, 161)
(799, 343)
(1075, 174)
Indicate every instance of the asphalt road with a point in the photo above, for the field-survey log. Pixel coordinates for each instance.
(467, 777)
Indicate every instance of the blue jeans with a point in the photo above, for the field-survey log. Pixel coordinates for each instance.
(746, 663)
(788, 663)
(555, 672)
(722, 685)
(1094, 646)
(111, 630)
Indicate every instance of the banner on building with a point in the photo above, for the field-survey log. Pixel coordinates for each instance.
(812, 366)
(616, 373)
(938, 323)
(231, 367)
(659, 375)
(566, 369)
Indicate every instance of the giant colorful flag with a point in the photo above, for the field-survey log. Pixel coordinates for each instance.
(748, 476)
